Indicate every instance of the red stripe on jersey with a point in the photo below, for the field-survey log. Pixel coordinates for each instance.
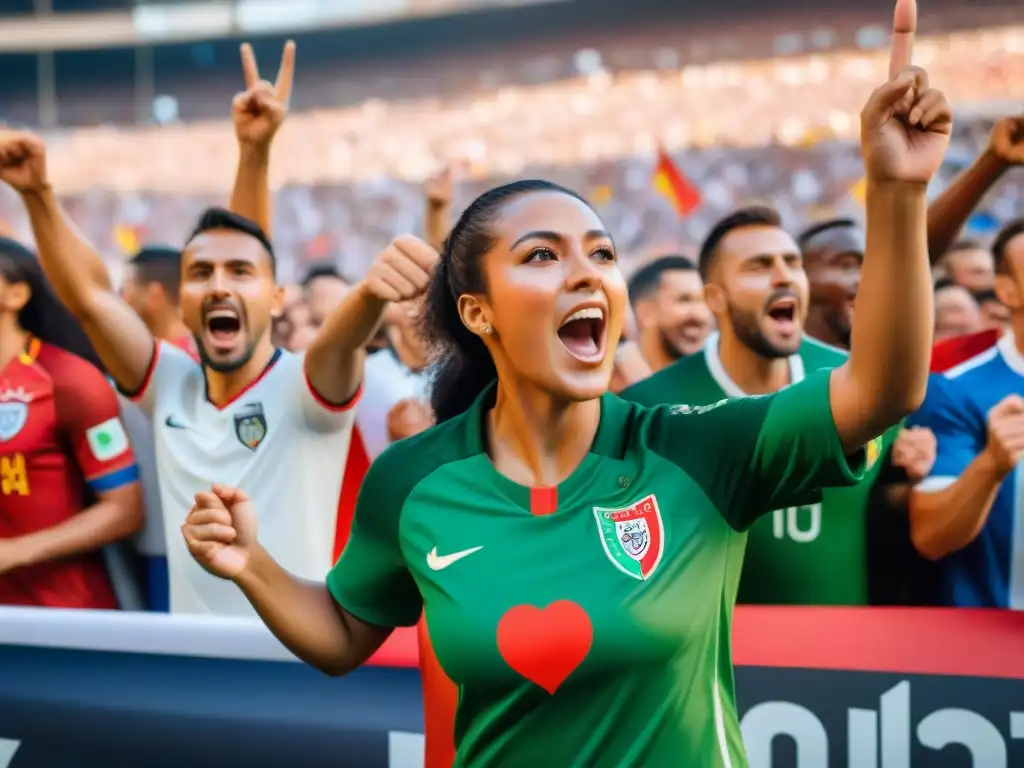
(355, 470)
(139, 393)
(440, 702)
(544, 501)
(250, 385)
(327, 404)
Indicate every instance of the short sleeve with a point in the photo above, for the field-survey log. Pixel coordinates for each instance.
(752, 455)
(371, 580)
(960, 432)
(320, 414)
(168, 367)
(90, 419)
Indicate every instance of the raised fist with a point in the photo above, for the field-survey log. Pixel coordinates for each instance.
(1007, 140)
(914, 451)
(409, 417)
(905, 125)
(220, 531)
(402, 270)
(22, 160)
(1006, 433)
(260, 109)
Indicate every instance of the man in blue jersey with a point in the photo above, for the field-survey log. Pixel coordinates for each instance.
(968, 514)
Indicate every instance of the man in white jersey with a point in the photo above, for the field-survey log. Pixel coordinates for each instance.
(249, 414)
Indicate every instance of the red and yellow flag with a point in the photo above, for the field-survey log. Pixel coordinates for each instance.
(669, 181)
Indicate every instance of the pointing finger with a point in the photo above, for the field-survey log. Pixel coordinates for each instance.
(250, 71)
(286, 74)
(904, 27)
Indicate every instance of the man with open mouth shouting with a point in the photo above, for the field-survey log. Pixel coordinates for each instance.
(276, 422)
(758, 289)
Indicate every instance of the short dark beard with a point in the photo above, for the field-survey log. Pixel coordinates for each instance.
(229, 367)
(744, 325)
(671, 351)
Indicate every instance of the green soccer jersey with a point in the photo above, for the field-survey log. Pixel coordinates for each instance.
(587, 626)
(812, 554)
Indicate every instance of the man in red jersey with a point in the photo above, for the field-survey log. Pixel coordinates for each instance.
(68, 479)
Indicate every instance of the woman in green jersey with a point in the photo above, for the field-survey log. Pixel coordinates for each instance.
(577, 556)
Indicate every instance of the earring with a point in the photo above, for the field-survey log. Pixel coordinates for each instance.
(488, 330)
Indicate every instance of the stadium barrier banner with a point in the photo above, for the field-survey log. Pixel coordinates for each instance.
(818, 688)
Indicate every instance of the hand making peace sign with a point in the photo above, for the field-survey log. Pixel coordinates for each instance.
(905, 125)
(259, 111)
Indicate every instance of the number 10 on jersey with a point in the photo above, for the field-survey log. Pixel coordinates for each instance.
(799, 524)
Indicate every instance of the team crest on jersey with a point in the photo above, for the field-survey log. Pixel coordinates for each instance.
(633, 537)
(251, 425)
(13, 415)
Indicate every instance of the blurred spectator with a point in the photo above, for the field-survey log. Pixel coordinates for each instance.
(956, 311)
(994, 314)
(667, 296)
(963, 514)
(68, 478)
(833, 251)
(970, 265)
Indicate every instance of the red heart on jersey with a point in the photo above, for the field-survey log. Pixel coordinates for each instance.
(545, 645)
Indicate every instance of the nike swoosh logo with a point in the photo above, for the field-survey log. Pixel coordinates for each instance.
(436, 562)
(173, 423)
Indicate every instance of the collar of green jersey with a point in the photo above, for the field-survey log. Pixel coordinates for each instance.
(612, 432)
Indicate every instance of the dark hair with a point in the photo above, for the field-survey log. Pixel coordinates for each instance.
(1006, 234)
(964, 245)
(752, 216)
(222, 218)
(323, 269)
(463, 367)
(822, 226)
(984, 295)
(43, 315)
(646, 279)
(159, 264)
(943, 283)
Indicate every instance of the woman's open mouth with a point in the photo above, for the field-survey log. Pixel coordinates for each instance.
(582, 333)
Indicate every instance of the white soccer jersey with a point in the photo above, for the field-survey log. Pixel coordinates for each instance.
(277, 440)
(387, 382)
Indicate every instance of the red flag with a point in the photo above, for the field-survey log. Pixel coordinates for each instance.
(670, 182)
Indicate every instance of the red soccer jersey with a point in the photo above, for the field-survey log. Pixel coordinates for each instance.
(60, 435)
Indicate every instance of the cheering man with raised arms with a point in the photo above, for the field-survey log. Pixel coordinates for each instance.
(274, 422)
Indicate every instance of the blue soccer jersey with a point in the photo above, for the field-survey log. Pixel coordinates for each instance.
(989, 572)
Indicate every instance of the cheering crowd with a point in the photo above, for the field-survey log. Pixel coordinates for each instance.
(781, 407)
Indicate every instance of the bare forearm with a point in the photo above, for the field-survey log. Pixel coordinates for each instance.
(943, 522)
(105, 522)
(76, 271)
(438, 224)
(950, 210)
(305, 618)
(887, 373)
(250, 197)
(334, 362)
(83, 285)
